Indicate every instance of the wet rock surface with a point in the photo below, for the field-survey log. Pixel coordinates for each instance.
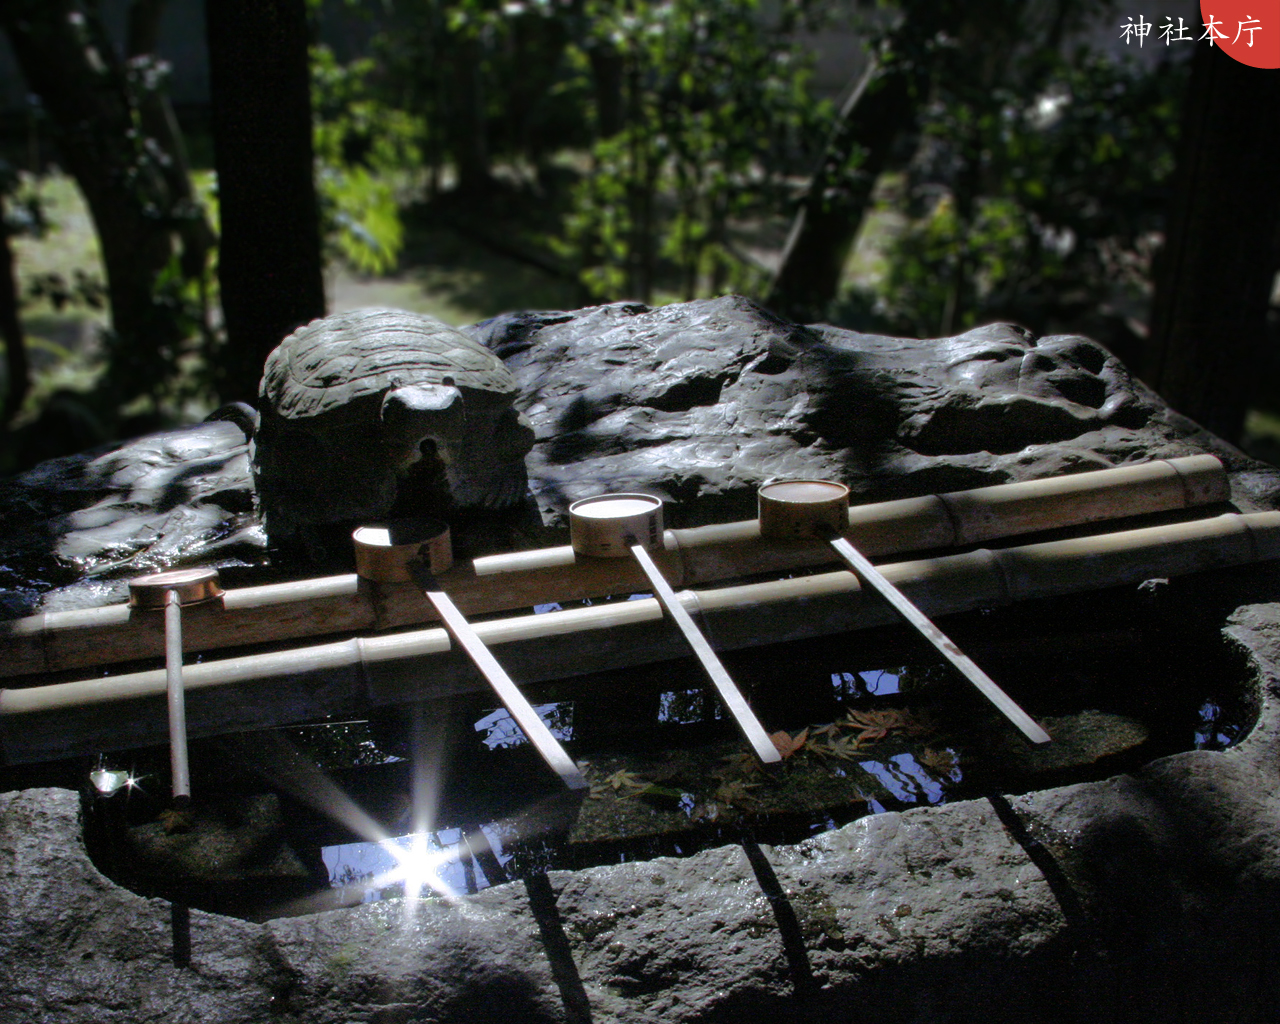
(77, 947)
(701, 401)
(78, 527)
(739, 930)
(698, 402)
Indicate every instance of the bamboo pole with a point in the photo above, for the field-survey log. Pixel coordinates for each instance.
(179, 769)
(58, 641)
(730, 695)
(922, 624)
(57, 720)
(496, 676)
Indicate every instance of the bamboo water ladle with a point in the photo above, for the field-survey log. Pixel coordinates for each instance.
(621, 525)
(820, 508)
(418, 549)
(171, 591)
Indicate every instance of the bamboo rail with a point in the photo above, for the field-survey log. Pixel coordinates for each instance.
(58, 641)
(58, 720)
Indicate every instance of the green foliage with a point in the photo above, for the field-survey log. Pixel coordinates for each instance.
(337, 746)
(360, 217)
(716, 109)
(1038, 198)
(488, 79)
(25, 212)
(83, 290)
(362, 145)
(172, 360)
(689, 115)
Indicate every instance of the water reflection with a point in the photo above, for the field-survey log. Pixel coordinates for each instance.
(343, 744)
(108, 781)
(681, 707)
(907, 780)
(1213, 733)
(500, 730)
(878, 682)
(443, 860)
(687, 707)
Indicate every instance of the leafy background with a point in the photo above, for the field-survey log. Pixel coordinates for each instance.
(478, 156)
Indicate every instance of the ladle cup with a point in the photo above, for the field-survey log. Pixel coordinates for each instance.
(415, 550)
(171, 591)
(792, 509)
(618, 525)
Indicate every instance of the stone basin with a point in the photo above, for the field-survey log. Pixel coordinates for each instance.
(1134, 898)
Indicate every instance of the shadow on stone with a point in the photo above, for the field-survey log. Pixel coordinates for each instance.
(542, 901)
(784, 913)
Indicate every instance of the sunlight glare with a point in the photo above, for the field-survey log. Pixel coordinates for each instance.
(416, 866)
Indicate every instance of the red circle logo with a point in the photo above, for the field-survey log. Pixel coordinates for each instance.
(1248, 30)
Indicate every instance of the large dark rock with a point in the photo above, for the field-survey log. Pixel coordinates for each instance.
(76, 528)
(698, 402)
(701, 401)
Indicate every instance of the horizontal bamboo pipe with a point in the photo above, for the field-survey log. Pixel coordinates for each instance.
(57, 641)
(37, 722)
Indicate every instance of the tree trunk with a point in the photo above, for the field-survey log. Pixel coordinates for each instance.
(467, 122)
(159, 123)
(607, 69)
(68, 60)
(882, 104)
(1208, 317)
(270, 265)
(15, 343)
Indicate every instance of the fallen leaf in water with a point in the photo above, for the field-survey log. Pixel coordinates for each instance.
(876, 725)
(617, 782)
(788, 744)
(743, 763)
(175, 821)
(940, 762)
(847, 748)
(734, 794)
(709, 811)
(844, 747)
(660, 796)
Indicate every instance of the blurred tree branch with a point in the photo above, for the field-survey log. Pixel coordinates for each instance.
(15, 344)
(882, 105)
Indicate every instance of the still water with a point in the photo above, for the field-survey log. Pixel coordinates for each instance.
(448, 797)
